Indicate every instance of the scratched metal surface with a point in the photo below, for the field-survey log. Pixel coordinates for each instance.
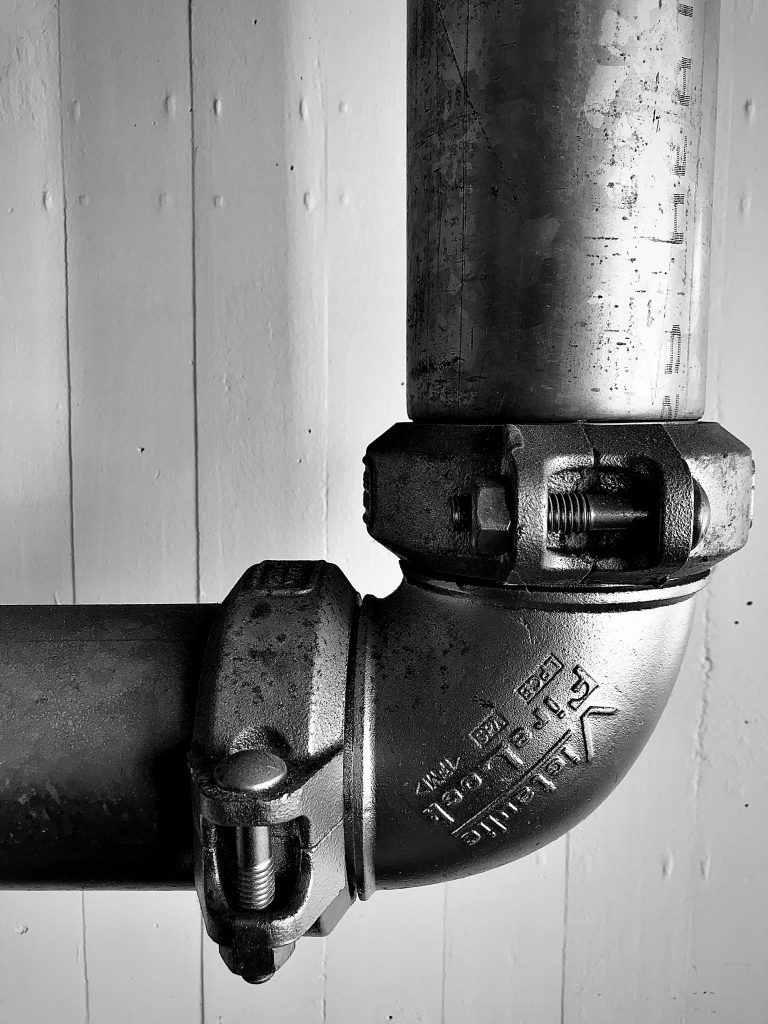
(560, 199)
(276, 271)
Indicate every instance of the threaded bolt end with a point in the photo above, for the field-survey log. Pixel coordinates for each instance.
(461, 513)
(255, 885)
(568, 512)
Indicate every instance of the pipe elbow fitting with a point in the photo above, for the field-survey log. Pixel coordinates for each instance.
(487, 705)
(484, 722)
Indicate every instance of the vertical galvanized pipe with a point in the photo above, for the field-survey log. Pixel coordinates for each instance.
(560, 165)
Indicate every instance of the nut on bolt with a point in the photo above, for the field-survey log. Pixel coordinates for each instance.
(492, 520)
(257, 772)
(257, 964)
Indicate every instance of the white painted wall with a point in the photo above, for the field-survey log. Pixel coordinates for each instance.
(201, 328)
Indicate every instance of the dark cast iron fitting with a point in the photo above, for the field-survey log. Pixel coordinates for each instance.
(256, 772)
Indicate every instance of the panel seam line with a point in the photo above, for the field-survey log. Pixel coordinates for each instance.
(564, 958)
(195, 388)
(67, 330)
(195, 396)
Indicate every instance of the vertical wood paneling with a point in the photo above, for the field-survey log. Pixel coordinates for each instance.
(366, 247)
(39, 932)
(127, 161)
(504, 942)
(728, 977)
(261, 337)
(260, 191)
(126, 129)
(34, 499)
(385, 960)
(143, 957)
(631, 868)
(42, 976)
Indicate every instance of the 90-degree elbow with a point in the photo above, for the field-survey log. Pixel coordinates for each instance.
(484, 722)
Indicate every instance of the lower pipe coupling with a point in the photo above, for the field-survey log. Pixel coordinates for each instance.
(267, 764)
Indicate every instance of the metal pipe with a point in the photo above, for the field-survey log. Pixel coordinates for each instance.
(560, 176)
(97, 707)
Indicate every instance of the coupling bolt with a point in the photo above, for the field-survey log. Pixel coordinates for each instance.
(257, 772)
(571, 512)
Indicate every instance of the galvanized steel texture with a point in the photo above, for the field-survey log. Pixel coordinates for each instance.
(560, 173)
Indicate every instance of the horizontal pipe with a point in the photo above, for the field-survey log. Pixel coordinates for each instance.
(560, 181)
(97, 711)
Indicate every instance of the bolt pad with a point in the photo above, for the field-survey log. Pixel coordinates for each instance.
(251, 771)
(669, 500)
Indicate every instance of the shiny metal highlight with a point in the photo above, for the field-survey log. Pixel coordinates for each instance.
(255, 875)
(560, 175)
(570, 512)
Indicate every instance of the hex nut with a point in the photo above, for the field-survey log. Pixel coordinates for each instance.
(492, 520)
(257, 965)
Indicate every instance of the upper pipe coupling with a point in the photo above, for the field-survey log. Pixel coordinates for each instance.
(562, 504)
(267, 764)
